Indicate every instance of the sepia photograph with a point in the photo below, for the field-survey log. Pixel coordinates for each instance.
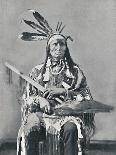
(58, 77)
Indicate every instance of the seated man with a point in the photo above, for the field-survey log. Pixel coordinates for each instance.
(64, 82)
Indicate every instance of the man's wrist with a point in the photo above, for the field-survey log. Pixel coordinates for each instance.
(66, 93)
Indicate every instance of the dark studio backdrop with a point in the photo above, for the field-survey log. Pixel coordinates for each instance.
(92, 25)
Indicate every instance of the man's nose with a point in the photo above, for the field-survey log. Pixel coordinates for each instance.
(58, 46)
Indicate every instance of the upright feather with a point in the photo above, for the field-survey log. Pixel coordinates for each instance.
(62, 29)
(57, 26)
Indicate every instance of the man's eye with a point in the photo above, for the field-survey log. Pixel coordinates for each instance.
(55, 44)
(62, 44)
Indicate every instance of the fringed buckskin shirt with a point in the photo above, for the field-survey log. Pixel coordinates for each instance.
(60, 77)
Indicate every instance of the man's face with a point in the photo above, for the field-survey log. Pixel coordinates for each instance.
(57, 48)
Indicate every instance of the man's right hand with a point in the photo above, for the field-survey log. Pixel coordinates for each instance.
(53, 92)
(44, 104)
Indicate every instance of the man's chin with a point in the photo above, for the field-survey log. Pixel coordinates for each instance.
(57, 58)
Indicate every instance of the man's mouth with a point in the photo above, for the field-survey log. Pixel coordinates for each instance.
(58, 52)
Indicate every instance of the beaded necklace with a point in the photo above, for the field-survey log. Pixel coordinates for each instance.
(61, 66)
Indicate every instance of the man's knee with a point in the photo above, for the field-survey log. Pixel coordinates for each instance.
(70, 132)
(70, 127)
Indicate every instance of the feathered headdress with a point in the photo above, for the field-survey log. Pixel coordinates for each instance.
(43, 30)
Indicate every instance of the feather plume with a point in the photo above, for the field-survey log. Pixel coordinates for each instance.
(62, 29)
(42, 21)
(44, 31)
(57, 26)
(36, 27)
(26, 36)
